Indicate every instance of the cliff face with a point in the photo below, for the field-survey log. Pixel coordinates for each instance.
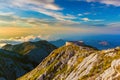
(78, 63)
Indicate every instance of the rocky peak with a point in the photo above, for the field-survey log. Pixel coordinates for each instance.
(79, 43)
(74, 62)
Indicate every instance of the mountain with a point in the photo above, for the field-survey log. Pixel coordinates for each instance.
(58, 43)
(33, 51)
(99, 44)
(13, 65)
(73, 62)
(103, 44)
(16, 60)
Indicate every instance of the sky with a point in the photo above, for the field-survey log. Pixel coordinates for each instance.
(55, 19)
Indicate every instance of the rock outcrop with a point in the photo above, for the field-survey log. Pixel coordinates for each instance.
(79, 43)
(112, 73)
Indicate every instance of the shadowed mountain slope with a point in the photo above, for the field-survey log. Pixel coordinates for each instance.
(13, 65)
(16, 60)
(33, 51)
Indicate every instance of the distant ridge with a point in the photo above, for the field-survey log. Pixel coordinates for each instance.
(16, 60)
(58, 43)
(34, 51)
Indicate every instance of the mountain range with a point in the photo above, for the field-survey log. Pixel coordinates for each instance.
(75, 60)
(16, 60)
(99, 44)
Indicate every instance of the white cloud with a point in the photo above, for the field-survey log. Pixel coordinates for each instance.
(46, 7)
(92, 20)
(85, 19)
(108, 2)
(56, 15)
(13, 20)
(80, 14)
(19, 40)
(83, 14)
(6, 14)
(45, 4)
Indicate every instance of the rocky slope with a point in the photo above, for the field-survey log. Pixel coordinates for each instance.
(13, 65)
(35, 52)
(78, 63)
(16, 60)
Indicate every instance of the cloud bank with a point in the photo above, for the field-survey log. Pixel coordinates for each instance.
(107, 2)
(18, 40)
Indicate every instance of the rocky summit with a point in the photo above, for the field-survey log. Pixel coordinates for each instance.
(73, 62)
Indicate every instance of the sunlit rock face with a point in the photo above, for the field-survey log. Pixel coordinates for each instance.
(73, 62)
(112, 73)
(79, 43)
(83, 68)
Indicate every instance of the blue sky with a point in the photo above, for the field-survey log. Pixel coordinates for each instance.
(59, 18)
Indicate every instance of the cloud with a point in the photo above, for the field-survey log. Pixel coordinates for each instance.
(83, 14)
(31, 38)
(107, 2)
(114, 25)
(85, 19)
(42, 36)
(10, 19)
(19, 40)
(46, 7)
(80, 14)
(45, 4)
(56, 15)
(6, 14)
(91, 20)
(86, 13)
